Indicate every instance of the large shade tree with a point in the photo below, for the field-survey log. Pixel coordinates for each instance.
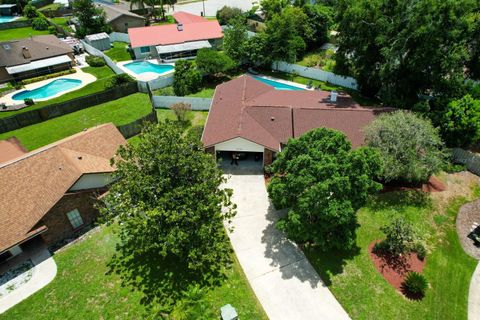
(402, 49)
(322, 182)
(169, 203)
(91, 19)
(410, 147)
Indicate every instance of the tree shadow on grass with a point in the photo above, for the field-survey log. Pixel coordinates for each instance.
(163, 282)
(284, 254)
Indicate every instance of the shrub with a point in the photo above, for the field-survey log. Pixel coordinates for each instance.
(226, 14)
(180, 110)
(48, 76)
(211, 61)
(52, 30)
(40, 23)
(94, 61)
(400, 237)
(167, 91)
(30, 11)
(419, 248)
(416, 283)
(118, 80)
(186, 79)
(28, 101)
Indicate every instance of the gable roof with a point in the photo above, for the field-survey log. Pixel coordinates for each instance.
(115, 12)
(195, 28)
(39, 47)
(247, 108)
(33, 183)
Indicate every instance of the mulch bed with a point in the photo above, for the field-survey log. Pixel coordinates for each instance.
(394, 269)
(432, 185)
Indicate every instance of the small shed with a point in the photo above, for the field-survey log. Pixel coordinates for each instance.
(100, 41)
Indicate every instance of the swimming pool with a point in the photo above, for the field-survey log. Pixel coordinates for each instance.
(48, 90)
(4, 19)
(278, 85)
(139, 67)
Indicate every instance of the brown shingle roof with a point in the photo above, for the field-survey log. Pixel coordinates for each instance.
(31, 184)
(247, 108)
(39, 47)
(10, 149)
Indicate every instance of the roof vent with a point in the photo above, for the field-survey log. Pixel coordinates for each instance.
(272, 119)
(79, 157)
(179, 27)
(7, 46)
(333, 96)
(26, 53)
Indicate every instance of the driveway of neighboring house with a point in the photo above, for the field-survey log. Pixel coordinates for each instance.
(285, 283)
(211, 6)
(42, 273)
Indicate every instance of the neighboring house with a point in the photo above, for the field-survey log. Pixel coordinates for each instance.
(34, 56)
(8, 9)
(50, 193)
(175, 41)
(249, 116)
(120, 20)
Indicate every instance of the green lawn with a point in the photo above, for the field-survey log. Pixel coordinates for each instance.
(121, 111)
(7, 87)
(20, 33)
(102, 74)
(83, 289)
(52, 7)
(119, 52)
(322, 59)
(365, 294)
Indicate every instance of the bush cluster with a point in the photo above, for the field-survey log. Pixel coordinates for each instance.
(40, 23)
(94, 61)
(48, 76)
(118, 80)
(29, 102)
(416, 283)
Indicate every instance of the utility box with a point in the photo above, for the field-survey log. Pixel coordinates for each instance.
(100, 41)
(227, 312)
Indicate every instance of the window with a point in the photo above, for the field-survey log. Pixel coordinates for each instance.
(144, 49)
(75, 218)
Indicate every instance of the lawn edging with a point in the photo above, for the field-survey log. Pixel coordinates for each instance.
(47, 112)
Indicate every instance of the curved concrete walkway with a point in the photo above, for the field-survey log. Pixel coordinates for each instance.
(285, 283)
(43, 273)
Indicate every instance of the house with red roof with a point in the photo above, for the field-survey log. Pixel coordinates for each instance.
(175, 41)
(249, 116)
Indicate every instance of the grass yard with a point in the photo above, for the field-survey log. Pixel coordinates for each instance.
(322, 59)
(119, 52)
(102, 74)
(20, 33)
(365, 294)
(121, 111)
(83, 289)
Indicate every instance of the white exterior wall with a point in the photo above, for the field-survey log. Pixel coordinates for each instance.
(92, 181)
(16, 250)
(240, 145)
(139, 55)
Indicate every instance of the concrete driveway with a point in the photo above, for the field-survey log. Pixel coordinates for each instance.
(211, 6)
(285, 283)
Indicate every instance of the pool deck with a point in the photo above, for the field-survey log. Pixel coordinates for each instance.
(86, 78)
(146, 76)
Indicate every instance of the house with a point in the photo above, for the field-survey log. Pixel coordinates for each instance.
(50, 193)
(8, 9)
(34, 56)
(121, 20)
(175, 41)
(249, 116)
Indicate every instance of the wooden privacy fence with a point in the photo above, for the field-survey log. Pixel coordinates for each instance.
(469, 159)
(59, 109)
(317, 74)
(135, 127)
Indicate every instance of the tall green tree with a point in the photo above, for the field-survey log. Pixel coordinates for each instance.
(186, 79)
(212, 62)
(401, 49)
(273, 7)
(257, 51)
(410, 147)
(319, 19)
(91, 19)
(234, 40)
(227, 14)
(460, 122)
(322, 182)
(168, 200)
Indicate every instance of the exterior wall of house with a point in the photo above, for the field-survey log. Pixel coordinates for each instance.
(240, 145)
(56, 220)
(139, 55)
(4, 76)
(268, 156)
(121, 24)
(43, 71)
(92, 181)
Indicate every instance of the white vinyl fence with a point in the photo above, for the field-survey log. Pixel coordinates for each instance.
(317, 74)
(198, 104)
(95, 52)
(469, 159)
(160, 82)
(119, 36)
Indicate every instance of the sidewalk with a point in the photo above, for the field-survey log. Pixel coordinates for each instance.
(285, 283)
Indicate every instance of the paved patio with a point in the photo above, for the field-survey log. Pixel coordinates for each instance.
(282, 278)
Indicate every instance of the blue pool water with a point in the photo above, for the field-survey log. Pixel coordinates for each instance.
(4, 19)
(278, 85)
(139, 67)
(48, 90)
